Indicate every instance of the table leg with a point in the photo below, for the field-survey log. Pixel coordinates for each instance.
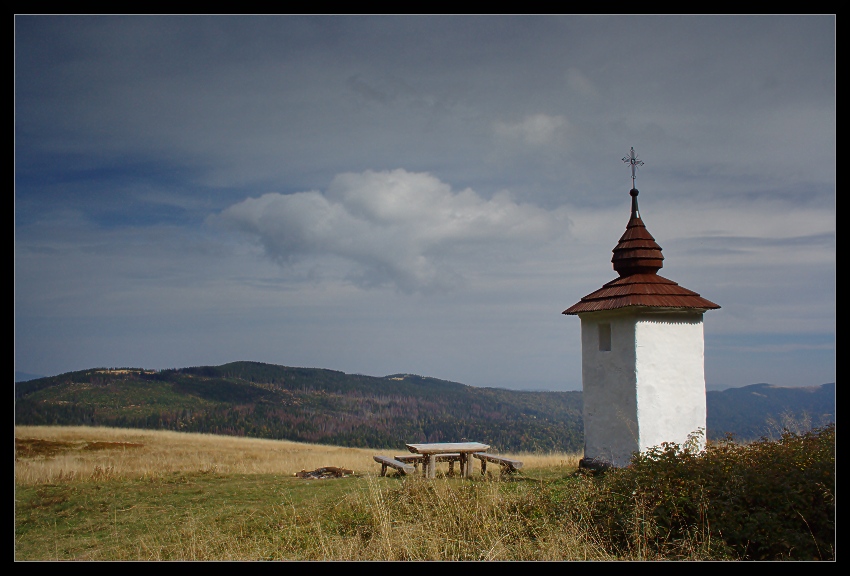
(432, 466)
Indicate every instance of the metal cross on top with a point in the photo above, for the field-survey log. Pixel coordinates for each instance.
(632, 160)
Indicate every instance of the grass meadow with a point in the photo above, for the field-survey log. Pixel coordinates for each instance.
(90, 493)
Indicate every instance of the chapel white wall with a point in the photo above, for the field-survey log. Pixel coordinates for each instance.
(609, 390)
(670, 375)
(648, 389)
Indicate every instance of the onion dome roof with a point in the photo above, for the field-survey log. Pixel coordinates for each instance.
(637, 259)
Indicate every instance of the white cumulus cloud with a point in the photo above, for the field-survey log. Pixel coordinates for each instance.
(395, 227)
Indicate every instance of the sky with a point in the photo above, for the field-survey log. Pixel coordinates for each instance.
(417, 194)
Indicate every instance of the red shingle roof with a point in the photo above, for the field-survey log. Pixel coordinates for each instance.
(640, 290)
(637, 258)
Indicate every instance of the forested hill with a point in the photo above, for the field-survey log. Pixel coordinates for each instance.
(305, 404)
(331, 407)
(763, 410)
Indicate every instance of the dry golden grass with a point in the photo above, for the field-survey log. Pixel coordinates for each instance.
(89, 493)
(532, 461)
(86, 493)
(79, 452)
(165, 452)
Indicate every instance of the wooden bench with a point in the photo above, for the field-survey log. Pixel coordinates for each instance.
(505, 464)
(386, 461)
(417, 459)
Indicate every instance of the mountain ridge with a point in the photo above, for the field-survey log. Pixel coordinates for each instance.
(332, 407)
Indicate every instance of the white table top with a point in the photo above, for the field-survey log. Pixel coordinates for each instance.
(447, 447)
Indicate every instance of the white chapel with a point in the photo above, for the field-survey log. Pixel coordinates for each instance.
(642, 350)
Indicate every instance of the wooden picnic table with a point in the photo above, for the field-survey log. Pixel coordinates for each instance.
(430, 452)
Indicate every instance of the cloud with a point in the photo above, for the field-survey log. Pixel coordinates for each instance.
(399, 228)
(535, 130)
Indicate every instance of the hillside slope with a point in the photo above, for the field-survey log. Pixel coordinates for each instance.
(305, 404)
(762, 410)
(331, 407)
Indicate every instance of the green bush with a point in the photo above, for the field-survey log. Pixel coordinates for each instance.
(767, 500)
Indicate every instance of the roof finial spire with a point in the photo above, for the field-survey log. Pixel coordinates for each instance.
(633, 161)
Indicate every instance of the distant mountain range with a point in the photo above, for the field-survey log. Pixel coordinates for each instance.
(331, 407)
(764, 410)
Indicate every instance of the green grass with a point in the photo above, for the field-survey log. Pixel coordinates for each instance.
(114, 519)
(209, 516)
(769, 500)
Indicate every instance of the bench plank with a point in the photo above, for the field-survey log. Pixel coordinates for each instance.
(386, 461)
(506, 464)
(415, 458)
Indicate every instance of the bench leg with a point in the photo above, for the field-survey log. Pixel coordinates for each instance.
(451, 467)
(383, 469)
(483, 467)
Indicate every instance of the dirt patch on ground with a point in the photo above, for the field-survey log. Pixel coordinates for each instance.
(33, 447)
(110, 445)
(36, 447)
(326, 472)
